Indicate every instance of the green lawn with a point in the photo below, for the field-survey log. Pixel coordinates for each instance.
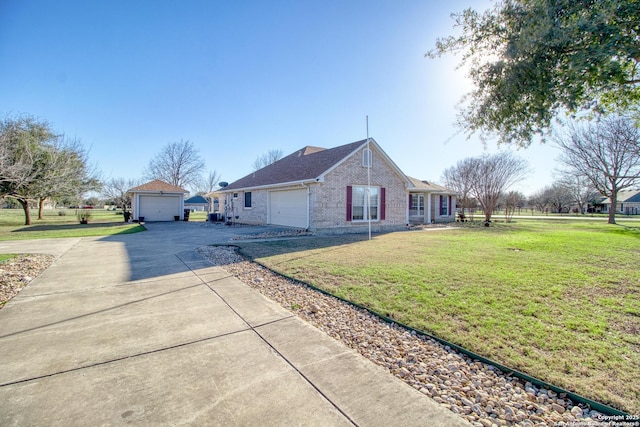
(556, 300)
(53, 224)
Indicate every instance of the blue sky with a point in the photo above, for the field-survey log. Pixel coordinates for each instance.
(239, 78)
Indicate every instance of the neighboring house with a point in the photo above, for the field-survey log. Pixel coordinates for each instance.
(430, 203)
(157, 201)
(628, 203)
(197, 203)
(324, 190)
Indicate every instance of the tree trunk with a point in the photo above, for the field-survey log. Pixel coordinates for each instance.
(614, 206)
(27, 212)
(40, 207)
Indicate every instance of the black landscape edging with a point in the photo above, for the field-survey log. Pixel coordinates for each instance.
(600, 407)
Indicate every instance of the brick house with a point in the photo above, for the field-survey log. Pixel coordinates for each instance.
(324, 190)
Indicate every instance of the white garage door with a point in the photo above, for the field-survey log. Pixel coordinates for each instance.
(288, 208)
(159, 208)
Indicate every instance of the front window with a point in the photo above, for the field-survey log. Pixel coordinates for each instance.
(417, 204)
(247, 199)
(444, 205)
(360, 205)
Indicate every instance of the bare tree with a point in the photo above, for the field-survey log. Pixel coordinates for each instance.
(116, 190)
(606, 152)
(459, 178)
(559, 197)
(539, 200)
(267, 158)
(512, 200)
(178, 163)
(580, 190)
(492, 176)
(208, 184)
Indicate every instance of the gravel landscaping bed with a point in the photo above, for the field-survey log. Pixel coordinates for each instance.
(18, 272)
(480, 393)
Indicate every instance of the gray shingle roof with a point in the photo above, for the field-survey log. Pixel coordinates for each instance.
(625, 196)
(633, 198)
(428, 186)
(308, 163)
(196, 199)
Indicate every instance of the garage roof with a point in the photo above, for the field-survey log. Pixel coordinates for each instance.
(156, 186)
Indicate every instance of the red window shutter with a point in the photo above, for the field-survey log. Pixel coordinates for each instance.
(383, 203)
(410, 200)
(349, 202)
(449, 211)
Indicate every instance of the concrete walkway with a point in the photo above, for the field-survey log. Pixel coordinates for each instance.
(138, 329)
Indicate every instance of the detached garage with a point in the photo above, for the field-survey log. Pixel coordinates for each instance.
(157, 201)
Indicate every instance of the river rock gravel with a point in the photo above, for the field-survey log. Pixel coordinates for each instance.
(18, 272)
(478, 392)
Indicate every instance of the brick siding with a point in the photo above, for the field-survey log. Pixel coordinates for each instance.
(329, 198)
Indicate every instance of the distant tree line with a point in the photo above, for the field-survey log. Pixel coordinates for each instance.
(37, 164)
(600, 159)
(537, 63)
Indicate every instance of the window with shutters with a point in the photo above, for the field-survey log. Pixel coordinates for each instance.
(362, 208)
(444, 205)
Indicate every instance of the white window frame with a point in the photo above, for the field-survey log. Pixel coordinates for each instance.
(367, 158)
(363, 206)
(416, 205)
(444, 207)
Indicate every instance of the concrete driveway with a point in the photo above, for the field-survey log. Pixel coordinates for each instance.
(138, 329)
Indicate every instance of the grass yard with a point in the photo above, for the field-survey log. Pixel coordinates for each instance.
(102, 223)
(556, 300)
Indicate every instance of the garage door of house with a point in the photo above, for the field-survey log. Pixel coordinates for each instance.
(159, 208)
(288, 208)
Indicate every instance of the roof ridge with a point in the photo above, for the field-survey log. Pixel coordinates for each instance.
(306, 163)
(157, 185)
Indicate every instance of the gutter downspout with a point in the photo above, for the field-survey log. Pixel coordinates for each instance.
(308, 204)
(406, 203)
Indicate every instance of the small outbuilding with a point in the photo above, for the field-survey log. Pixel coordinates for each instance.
(157, 201)
(197, 204)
